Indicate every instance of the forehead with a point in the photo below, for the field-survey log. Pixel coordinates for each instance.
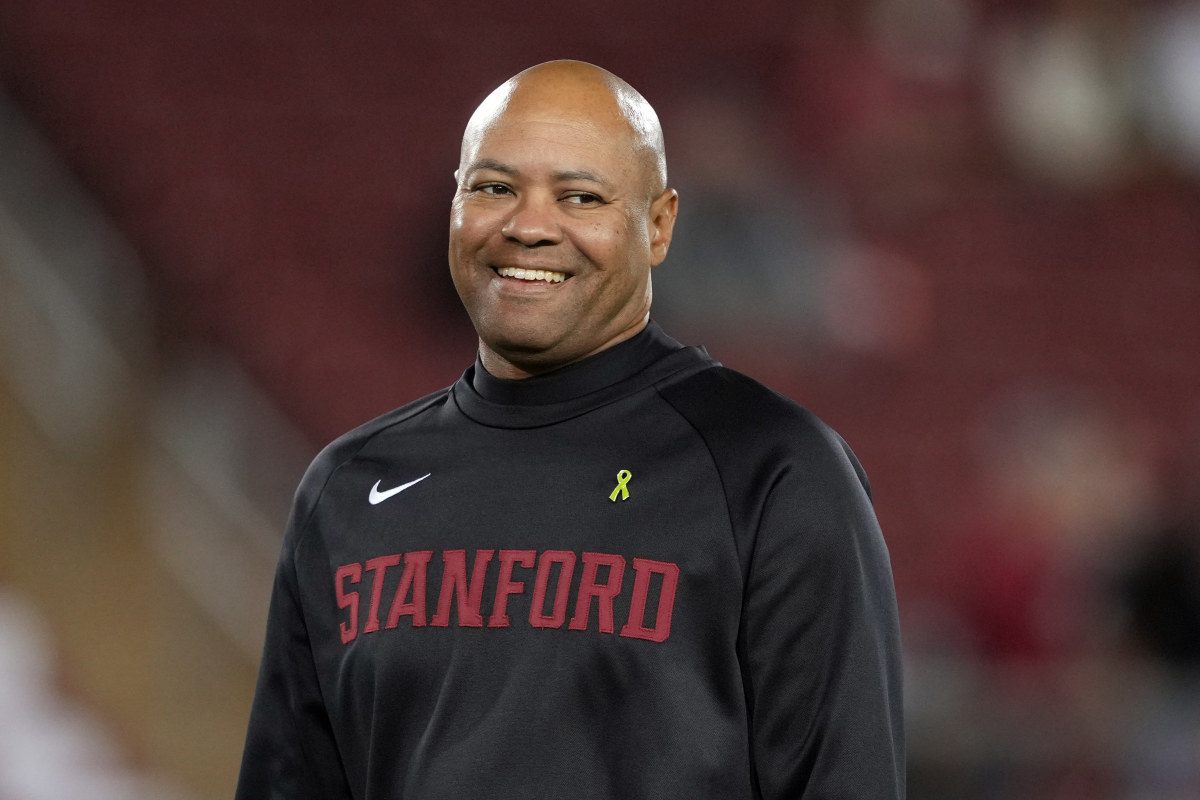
(571, 136)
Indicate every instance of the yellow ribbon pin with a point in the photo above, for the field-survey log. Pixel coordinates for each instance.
(622, 486)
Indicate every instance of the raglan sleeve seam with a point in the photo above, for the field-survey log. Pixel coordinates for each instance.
(744, 559)
(302, 524)
(809, 535)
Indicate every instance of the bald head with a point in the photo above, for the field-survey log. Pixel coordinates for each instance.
(559, 214)
(578, 90)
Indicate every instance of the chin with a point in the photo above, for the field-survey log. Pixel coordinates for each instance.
(518, 333)
(544, 355)
(536, 354)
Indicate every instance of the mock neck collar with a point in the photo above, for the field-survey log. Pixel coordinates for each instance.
(583, 377)
(567, 391)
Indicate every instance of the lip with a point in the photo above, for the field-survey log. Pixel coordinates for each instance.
(523, 291)
(529, 266)
(517, 282)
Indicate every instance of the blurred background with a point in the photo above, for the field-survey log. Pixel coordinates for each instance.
(964, 232)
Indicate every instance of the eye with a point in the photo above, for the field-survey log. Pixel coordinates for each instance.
(493, 189)
(583, 198)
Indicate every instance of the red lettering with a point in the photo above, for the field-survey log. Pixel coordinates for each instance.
(454, 579)
(558, 614)
(348, 599)
(635, 627)
(604, 593)
(379, 567)
(413, 578)
(655, 585)
(506, 586)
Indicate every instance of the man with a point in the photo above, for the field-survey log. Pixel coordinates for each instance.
(599, 565)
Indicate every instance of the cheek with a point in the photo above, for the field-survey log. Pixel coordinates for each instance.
(463, 256)
(469, 226)
(467, 238)
(461, 230)
(610, 244)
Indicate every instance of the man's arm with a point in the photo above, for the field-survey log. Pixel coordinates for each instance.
(290, 752)
(819, 642)
(820, 636)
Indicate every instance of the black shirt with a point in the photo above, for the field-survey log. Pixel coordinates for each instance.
(643, 575)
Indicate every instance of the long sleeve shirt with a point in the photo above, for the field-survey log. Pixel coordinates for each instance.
(639, 576)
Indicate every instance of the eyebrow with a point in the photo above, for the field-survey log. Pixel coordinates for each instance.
(492, 164)
(580, 175)
(563, 175)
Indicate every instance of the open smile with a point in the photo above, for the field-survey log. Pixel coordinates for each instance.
(533, 275)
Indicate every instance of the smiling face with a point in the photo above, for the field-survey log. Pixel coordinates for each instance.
(558, 217)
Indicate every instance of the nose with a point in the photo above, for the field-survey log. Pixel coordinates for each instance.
(533, 223)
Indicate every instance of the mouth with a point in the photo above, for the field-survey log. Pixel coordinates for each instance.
(531, 275)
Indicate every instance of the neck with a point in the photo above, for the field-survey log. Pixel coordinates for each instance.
(500, 366)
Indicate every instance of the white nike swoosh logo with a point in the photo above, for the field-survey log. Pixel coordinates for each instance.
(378, 497)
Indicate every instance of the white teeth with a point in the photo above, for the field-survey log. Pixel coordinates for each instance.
(532, 274)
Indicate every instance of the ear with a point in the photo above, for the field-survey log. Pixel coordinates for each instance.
(662, 224)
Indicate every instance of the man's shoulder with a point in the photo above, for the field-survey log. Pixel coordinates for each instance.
(730, 400)
(746, 423)
(350, 444)
(397, 416)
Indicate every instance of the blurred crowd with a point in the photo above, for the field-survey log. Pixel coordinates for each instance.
(1057, 651)
(51, 745)
(889, 115)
